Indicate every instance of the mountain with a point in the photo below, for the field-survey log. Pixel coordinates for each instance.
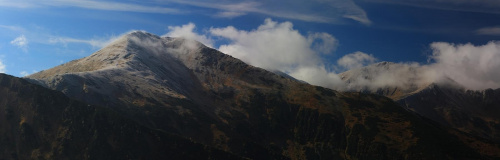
(38, 123)
(183, 88)
(445, 102)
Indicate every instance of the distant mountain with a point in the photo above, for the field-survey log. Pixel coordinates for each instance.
(183, 88)
(445, 102)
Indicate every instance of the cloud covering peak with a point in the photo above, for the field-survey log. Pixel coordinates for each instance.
(476, 67)
(188, 31)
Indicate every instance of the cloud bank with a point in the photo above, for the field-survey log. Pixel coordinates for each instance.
(476, 67)
(407, 77)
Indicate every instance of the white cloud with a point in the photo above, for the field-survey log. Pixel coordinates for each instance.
(20, 42)
(277, 46)
(188, 31)
(323, 42)
(2, 67)
(272, 46)
(356, 60)
(475, 67)
(488, 31)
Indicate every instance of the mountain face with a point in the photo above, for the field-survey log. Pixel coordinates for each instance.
(446, 102)
(182, 88)
(38, 123)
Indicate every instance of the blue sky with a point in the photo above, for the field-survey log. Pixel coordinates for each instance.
(40, 34)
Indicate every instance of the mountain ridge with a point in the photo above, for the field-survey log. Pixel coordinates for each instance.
(181, 87)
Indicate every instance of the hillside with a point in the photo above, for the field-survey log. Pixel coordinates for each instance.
(38, 123)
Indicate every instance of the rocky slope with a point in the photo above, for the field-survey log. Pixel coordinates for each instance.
(184, 88)
(445, 102)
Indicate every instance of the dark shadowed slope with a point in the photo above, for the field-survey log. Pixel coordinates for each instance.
(184, 88)
(38, 123)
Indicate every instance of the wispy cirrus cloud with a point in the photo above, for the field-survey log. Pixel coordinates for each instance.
(91, 4)
(229, 14)
(492, 31)
(13, 28)
(96, 43)
(38, 35)
(322, 11)
(482, 6)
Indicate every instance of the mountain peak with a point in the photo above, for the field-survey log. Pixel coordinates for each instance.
(140, 33)
(138, 36)
(132, 50)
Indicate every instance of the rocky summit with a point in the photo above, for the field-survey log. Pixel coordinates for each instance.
(150, 97)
